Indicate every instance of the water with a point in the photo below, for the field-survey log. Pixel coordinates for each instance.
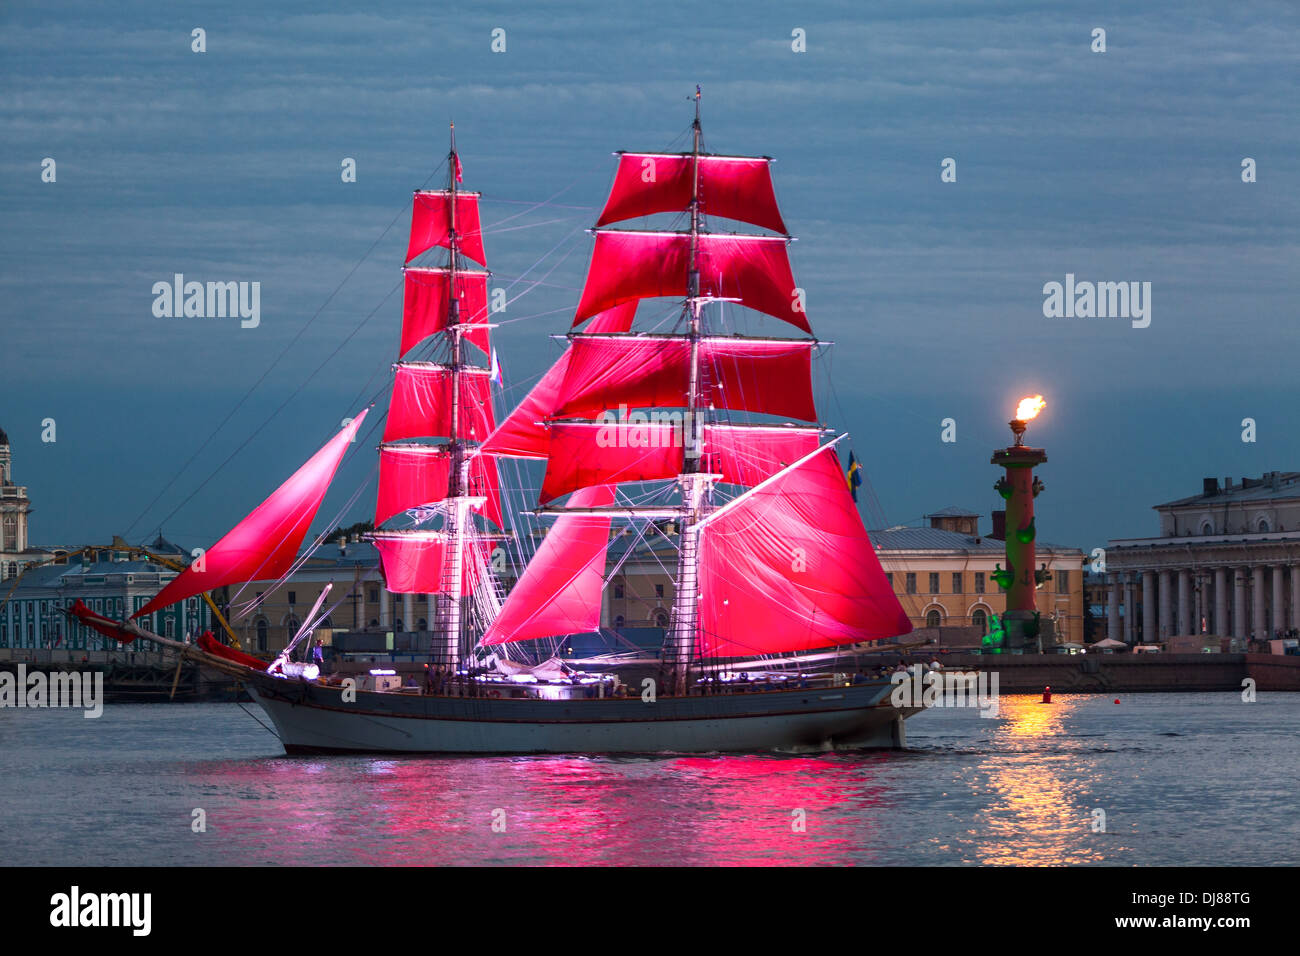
(1182, 779)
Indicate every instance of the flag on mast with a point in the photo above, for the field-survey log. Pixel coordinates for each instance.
(494, 375)
(853, 476)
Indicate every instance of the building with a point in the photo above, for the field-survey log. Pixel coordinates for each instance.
(943, 574)
(109, 583)
(15, 549)
(265, 617)
(1226, 562)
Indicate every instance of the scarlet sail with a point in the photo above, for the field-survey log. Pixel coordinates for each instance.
(421, 403)
(431, 224)
(641, 265)
(559, 592)
(734, 187)
(524, 433)
(589, 453)
(426, 308)
(417, 562)
(264, 544)
(773, 377)
(789, 567)
(411, 476)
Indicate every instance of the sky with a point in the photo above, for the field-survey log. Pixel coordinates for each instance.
(1122, 165)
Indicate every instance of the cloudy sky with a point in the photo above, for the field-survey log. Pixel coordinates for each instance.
(225, 165)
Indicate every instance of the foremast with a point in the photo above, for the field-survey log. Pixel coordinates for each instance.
(452, 399)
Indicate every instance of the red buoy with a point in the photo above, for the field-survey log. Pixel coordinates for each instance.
(1047, 694)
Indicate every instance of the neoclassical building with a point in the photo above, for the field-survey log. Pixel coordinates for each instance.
(943, 573)
(1226, 562)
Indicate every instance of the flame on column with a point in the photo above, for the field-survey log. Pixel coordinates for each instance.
(1029, 408)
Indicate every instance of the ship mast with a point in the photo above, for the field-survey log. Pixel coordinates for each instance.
(458, 479)
(695, 485)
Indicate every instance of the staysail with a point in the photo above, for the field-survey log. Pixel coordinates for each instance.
(524, 433)
(788, 566)
(263, 546)
(559, 592)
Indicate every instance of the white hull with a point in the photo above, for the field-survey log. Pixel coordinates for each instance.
(311, 718)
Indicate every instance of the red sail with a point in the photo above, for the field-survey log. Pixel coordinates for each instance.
(485, 482)
(414, 562)
(410, 476)
(524, 434)
(421, 403)
(589, 453)
(431, 223)
(641, 265)
(559, 592)
(583, 454)
(734, 187)
(750, 454)
(97, 622)
(415, 475)
(426, 306)
(756, 375)
(789, 567)
(263, 546)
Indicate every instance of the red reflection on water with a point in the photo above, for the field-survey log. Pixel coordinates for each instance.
(556, 810)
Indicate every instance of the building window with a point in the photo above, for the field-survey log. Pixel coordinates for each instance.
(911, 582)
(661, 620)
(956, 582)
(261, 634)
(293, 597)
(980, 620)
(1062, 581)
(659, 590)
(934, 582)
(618, 622)
(618, 592)
(374, 596)
(421, 625)
(399, 626)
(979, 582)
(932, 619)
(889, 576)
(1263, 525)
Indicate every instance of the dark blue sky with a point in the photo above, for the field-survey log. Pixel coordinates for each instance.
(225, 166)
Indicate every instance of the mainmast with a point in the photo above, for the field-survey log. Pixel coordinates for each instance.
(458, 479)
(566, 418)
(695, 485)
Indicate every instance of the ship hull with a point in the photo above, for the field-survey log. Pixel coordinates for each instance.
(314, 719)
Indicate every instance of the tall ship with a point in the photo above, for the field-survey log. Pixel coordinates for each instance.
(707, 433)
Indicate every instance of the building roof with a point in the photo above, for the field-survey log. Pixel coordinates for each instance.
(953, 512)
(936, 539)
(1249, 489)
(161, 545)
(4, 439)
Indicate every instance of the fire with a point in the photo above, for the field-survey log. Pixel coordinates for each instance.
(1029, 408)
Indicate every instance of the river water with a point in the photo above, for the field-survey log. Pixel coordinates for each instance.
(1154, 779)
